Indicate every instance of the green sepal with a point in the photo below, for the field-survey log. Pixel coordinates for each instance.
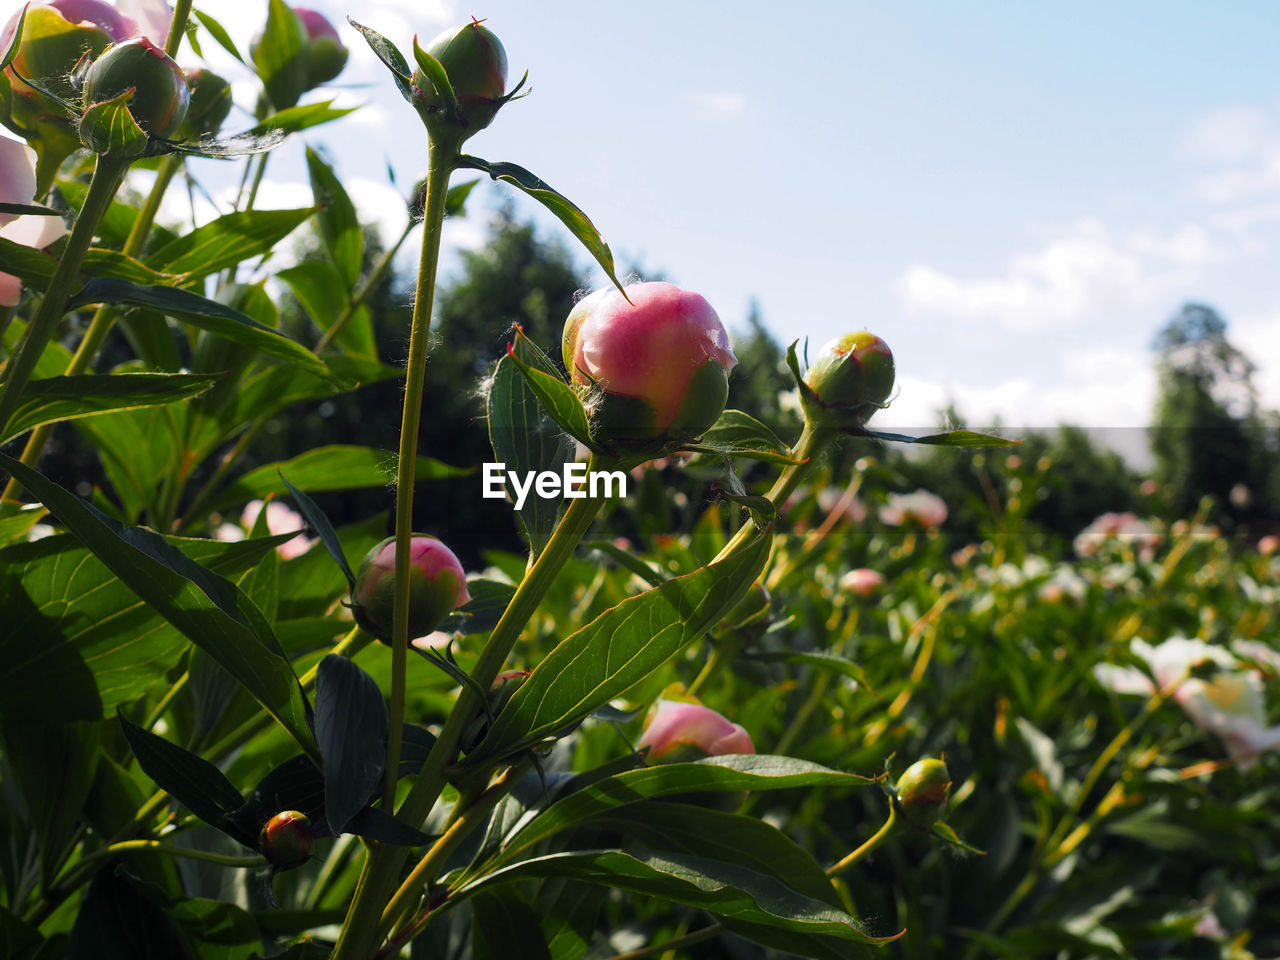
(108, 128)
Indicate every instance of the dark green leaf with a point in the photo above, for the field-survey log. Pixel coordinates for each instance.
(628, 560)
(88, 395)
(31, 266)
(117, 921)
(112, 263)
(351, 732)
(749, 453)
(339, 225)
(436, 74)
(525, 439)
(227, 241)
(738, 429)
(821, 659)
(15, 39)
(505, 926)
(29, 210)
(337, 467)
(953, 438)
(280, 56)
(203, 313)
(325, 296)
(53, 767)
(489, 598)
(187, 777)
(211, 611)
(297, 118)
(323, 528)
(573, 218)
(620, 648)
(455, 200)
(376, 824)
(391, 58)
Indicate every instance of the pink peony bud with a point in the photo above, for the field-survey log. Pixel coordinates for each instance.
(160, 96)
(438, 585)
(326, 54)
(922, 507)
(658, 366)
(923, 790)
(851, 378)
(286, 839)
(862, 581)
(678, 731)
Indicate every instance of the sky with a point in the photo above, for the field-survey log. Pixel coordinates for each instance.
(1015, 196)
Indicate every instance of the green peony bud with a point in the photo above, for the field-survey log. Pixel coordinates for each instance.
(286, 840)
(851, 378)
(326, 54)
(437, 586)
(160, 97)
(476, 64)
(210, 104)
(923, 790)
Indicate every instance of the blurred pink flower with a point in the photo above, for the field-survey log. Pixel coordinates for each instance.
(1230, 704)
(1127, 528)
(280, 519)
(1149, 488)
(923, 507)
(862, 581)
(829, 498)
(674, 724)
(18, 185)
(1268, 545)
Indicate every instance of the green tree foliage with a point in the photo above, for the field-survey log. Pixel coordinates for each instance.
(1208, 437)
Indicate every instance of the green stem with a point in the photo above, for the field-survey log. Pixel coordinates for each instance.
(688, 940)
(107, 176)
(440, 165)
(362, 294)
(177, 27)
(874, 841)
(384, 864)
(159, 846)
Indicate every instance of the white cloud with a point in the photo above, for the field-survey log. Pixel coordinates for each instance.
(1229, 135)
(1260, 177)
(1075, 277)
(1259, 337)
(380, 203)
(722, 102)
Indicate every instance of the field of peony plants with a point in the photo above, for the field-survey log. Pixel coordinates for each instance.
(738, 695)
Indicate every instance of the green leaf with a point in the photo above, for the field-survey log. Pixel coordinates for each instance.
(117, 922)
(109, 128)
(723, 774)
(437, 75)
(17, 521)
(281, 57)
(33, 267)
(36, 268)
(351, 732)
(335, 467)
(558, 399)
(953, 438)
(88, 395)
(206, 314)
(99, 262)
(620, 648)
(227, 241)
(628, 560)
(209, 610)
(29, 210)
(725, 890)
(489, 599)
(297, 118)
(738, 429)
(504, 926)
(187, 777)
(525, 439)
(324, 295)
(218, 32)
(339, 225)
(391, 58)
(323, 528)
(573, 218)
(15, 39)
(53, 767)
(455, 200)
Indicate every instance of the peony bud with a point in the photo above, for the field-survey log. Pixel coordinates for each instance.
(657, 366)
(286, 839)
(852, 378)
(923, 790)
(862, 582)
(476, 64)
(210, 104)
(326, 54)
(160, 96)
(677, 732)
(437, 586)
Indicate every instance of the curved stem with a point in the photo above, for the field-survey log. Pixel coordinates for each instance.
(874, 841)
(107, 176)
(439, 166)
(159, 846)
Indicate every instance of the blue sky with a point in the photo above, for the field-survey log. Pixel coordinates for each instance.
(1015, 196)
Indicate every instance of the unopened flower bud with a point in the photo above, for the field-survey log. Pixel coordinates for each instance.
(678, 732)
(476, 64)
(437, 586)
(862, 582)
(923, 790)
(209, 106)
(326, 54)
(160, 97)
(286, 839)
(852, 378)
(656, 369)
